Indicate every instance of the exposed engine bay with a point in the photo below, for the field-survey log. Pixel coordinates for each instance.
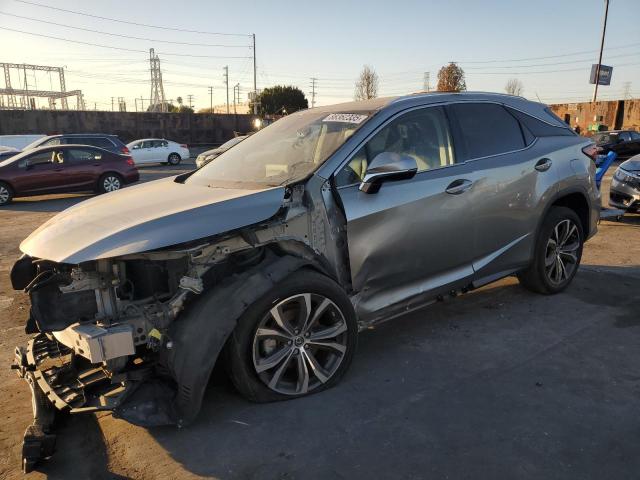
(134, 334)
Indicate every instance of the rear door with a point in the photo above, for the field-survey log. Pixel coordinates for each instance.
(506, 192)
(83, 167)
(412, 237)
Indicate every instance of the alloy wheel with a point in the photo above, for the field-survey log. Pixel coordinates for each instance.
(4, 194)
(561, 256)
(174, 159)
(300, 344)
(111, 184)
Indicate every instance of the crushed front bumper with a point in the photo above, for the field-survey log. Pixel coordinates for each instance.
(63, 381)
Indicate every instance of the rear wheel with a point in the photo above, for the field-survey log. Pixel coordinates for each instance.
(296, 340)
(557, 253)
(6, 193)
(110, 182)
(174, 159)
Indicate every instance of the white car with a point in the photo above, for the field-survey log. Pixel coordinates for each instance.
(158, 150)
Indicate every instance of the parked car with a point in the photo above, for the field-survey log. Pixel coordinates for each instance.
(158, 150)
(64, 168)
(277, 253)
(207, 156)
(108, 142)
(625, 185)
(625, 143)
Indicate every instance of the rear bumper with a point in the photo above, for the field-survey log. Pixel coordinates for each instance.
(132, 176)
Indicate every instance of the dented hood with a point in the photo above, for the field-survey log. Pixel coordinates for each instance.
(148, 217)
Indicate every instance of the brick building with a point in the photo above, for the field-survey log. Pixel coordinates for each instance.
(605, 115)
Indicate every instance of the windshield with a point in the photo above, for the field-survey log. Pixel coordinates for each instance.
(36, 143)
(284, 152)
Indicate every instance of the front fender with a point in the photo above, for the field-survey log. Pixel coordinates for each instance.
(202, 330)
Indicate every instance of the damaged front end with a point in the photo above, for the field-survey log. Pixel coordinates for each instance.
(139, 334)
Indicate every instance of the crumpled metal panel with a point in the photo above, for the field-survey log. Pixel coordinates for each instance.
(148, 217)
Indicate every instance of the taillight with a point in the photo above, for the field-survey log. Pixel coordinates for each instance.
(125, 150)
(184, 146)
(591, 151)
(130, 161)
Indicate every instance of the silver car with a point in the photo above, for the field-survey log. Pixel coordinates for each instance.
(625, 185)
(207, 156)
(275, 256)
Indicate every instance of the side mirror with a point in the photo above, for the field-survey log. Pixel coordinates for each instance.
(387, 166)
(136, 147)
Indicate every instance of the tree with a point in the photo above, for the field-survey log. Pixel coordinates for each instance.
(179, 100)
(367, 84)
(280, 99)
(184, 109)
(451, 78)
(514, 87)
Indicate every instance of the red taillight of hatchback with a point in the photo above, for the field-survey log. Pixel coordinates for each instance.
(591, 151)
(125, 150)
(130, 161)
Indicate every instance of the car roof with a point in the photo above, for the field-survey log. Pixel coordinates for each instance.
(81, 135)
(148, 139)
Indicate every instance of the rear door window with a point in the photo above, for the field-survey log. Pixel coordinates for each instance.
(486, 129)
(81, 155)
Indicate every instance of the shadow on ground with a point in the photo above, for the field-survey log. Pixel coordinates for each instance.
(501, 383)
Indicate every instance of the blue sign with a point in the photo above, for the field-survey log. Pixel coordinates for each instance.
(605, 74)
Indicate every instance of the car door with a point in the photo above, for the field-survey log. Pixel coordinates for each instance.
(82, 167)
(509, 179)
(634, 145)
(145, 153)
(624, 147)
(39, 172)
(413, 236)
(163, 151)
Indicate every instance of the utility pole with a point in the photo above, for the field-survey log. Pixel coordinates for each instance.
(210, 99)
(604, 29)
(190, 97)
(135, 100)
(236, 86)
(141, 104)
(255, 84)
(112, 103)
(226, 82)
(426, 86)
(313, 91)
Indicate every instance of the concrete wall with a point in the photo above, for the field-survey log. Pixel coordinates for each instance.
(180, 127)
(614, 114)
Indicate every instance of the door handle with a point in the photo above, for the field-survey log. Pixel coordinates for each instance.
(543, 165)
(459, 186)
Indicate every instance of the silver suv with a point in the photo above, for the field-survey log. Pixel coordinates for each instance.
(276, 254)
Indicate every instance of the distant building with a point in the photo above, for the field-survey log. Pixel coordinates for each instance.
(605, 115)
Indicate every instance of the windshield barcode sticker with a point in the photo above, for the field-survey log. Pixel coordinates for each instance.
(345, 118)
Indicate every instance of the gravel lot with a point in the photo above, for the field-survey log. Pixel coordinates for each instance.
(499, 383)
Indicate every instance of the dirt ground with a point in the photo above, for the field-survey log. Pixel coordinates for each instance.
(499, 383)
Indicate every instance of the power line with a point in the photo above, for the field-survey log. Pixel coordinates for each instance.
(583, 52)
(125, 36)
(112, 47)
(549, 64)
(163, 27)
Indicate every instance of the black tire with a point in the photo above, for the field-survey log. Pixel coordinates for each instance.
(545, 275)
(244, 344)
(110, 182)
(6, 194)
(174, 159)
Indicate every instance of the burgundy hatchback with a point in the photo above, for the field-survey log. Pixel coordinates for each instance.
(64, 168)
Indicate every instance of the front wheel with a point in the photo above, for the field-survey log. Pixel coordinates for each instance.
(174, 159)
(296, 340)
(557, 253)
(6, 194)
(110, 182)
